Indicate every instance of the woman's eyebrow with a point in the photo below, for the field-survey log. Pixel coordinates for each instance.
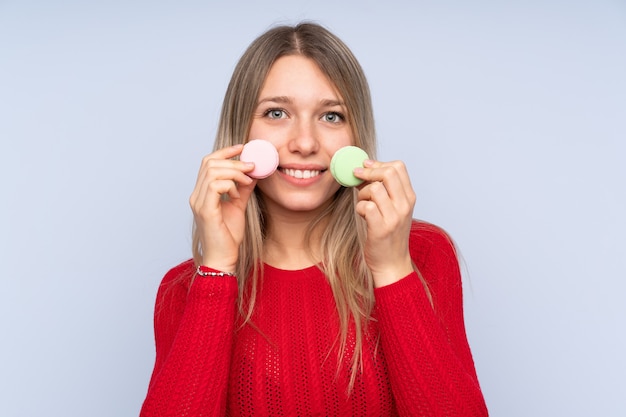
(332, 103)
(288, 100)
(276, 99)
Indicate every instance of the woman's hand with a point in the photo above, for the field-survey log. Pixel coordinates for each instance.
(218, 202)
(386, 202)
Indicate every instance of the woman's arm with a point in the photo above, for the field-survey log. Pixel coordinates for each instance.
(194, 316)
(430, 363)
(193, 336)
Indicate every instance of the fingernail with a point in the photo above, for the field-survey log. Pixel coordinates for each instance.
(368, 163)
(358, 171)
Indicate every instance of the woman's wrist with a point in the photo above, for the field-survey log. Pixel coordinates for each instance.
(206, 271)
(391, 275)
(220, 264)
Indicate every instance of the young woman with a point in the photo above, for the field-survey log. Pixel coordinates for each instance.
(304, 297)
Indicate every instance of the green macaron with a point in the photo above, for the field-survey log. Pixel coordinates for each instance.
(343, 163)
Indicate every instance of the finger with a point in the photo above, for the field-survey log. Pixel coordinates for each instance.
(405, 188)
(227, 152)
(227, 171)
(245, 191)
(387, 192)
(223, 158)
(224, 168)
(213, 168)
(376, 192)
(393, 175)
(368, 210)
(209, 198)
(207, 178)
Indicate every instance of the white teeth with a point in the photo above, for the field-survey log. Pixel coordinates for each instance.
(302, 173)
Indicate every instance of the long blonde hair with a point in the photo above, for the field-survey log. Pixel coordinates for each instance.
(343, 237)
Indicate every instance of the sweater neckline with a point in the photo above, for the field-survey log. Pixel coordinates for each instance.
(291, 272)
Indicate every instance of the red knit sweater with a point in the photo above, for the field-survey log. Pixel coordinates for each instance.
(416, 360)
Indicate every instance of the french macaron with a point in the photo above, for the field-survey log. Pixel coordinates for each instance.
(263, 154)
(343, 163)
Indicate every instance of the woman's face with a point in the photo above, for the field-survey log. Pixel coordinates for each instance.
(302, 114)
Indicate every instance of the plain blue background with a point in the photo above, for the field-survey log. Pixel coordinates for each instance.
(510, 115)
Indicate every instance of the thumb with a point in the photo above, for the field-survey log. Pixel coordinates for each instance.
(245, 191)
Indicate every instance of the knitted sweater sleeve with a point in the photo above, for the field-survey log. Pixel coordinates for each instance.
(431, 369)
(194, 327)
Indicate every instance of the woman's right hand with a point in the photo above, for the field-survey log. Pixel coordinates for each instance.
(218, 202)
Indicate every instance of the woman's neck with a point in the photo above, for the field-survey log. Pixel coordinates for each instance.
(286, 245)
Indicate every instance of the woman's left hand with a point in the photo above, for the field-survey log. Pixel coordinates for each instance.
(386, 202)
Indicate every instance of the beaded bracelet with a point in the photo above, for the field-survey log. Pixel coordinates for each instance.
(205, 271)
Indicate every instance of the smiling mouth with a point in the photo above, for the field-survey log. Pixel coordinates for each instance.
(301, 173)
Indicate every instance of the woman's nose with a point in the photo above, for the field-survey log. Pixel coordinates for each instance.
(304, 138)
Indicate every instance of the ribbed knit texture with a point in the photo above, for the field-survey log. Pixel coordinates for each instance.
(416, 358)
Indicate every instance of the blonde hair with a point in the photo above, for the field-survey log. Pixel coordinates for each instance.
(343, 237)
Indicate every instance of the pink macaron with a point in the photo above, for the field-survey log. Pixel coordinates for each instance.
(263, 154)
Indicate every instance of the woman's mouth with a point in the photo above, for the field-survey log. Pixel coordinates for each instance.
(301, 173)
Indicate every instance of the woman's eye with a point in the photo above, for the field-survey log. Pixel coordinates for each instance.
(333, 117)
(275, 113)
